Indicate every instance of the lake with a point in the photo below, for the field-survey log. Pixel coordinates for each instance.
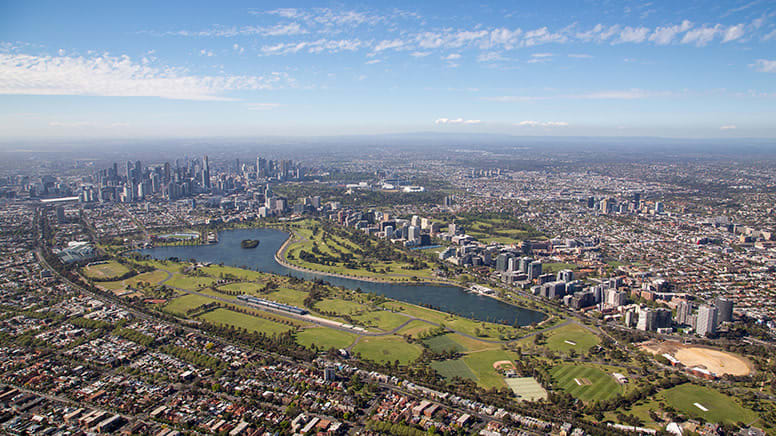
(447, 298)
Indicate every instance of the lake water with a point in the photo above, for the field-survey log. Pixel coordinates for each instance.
(451, 299)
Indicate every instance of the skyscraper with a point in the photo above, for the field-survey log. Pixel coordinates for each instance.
(725, 309)
(706, 323)
(534, 270)
(205, 173)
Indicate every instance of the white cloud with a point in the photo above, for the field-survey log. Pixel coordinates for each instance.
(373, 61)
(580, 56)
(207, 53)
(282, 29)
(599, 33)
(702, 35)
(318, 46)
(542, 36)
(530, 123)
(455, 121)
(327, 17)
(764, 66)
(491, 57)
(666, 35)
(452, 57)
(104, 75)
(770, 36)
(395, 44)
(733, 33)
(633, 34)
(505, 38)
(420, 54)
(728, 127)
(238, 49)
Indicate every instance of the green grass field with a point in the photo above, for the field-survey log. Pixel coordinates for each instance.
(485, 329)
(453, 368)
(721, 408)
(288, 296)
(242, 274)
(387, 349)
(415, 329)
(245, 288)
(105, 271)
(152, 277)
(325, 338)
(582, 339)
(602, 385)
(481, 364)
(382, 319)
(341, 307)
(526, 388)
(186, 302)
(442, 343)
(242, 320)
(189, 282)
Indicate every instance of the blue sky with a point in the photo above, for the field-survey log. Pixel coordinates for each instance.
(178, 69)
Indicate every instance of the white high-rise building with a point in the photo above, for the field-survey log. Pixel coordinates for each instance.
(413, 233)
(646, 320)
(615, 298)
(706, 324)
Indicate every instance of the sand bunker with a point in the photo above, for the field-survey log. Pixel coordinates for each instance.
(717, 361)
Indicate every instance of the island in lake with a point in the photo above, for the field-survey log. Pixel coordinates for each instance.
(249, 243)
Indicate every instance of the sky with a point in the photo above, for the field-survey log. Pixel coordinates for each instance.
(700, 69)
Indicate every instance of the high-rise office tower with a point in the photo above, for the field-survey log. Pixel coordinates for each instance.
(205, 172)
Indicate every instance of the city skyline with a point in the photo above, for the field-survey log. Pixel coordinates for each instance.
(179, 70)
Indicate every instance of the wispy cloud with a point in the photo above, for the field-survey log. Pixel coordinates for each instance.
(530, 123)
(665, 35)
(491, 57)
(580, 56)
(318, 46)
(281, 29)
(455, 121)
(728, 127)
(104, 75)
(764, 66)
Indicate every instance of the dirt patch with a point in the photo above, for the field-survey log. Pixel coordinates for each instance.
(717, 361)
(583, 381)
(504, 365)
